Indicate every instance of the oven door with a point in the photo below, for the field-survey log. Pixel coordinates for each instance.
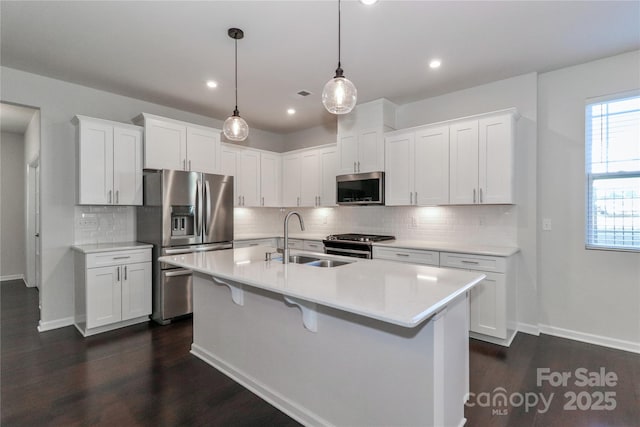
(351, 249)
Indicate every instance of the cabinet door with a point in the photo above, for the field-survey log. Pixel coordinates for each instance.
(203, 150)
(229, 160)
(487, 312)
(431, 166)
(495, 167)
(399, 170)
(309, 178)
(136, 290)
(165, 145)
(348, 153)
(328, 158)
(463, 163)
(103, 296)
(270, 167)
(291, 180)
(370, 150)
(95, 163)
(127, 166)
(249, 178)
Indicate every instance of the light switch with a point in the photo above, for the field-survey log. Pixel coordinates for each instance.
(546, 224)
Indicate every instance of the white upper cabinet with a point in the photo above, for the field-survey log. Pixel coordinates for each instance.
(361, 136)
(172, 144)
(109, 162)
(309, 177)
(256, 175)
(482, 160)
(270, 171)
(417, 167)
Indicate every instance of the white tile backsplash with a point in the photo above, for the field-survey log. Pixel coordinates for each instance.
(490, 224)
(104, 224)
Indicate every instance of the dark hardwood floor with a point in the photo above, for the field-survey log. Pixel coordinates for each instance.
(144, 376)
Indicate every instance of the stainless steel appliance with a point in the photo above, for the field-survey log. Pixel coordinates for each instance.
(360, 189)
(182, 212)
(352, 244)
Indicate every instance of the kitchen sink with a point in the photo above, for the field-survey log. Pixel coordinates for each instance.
(313, 261)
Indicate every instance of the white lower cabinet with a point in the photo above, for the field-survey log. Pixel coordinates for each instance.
(313, 246)
(255, 242)
(492, 302)
(112, 289)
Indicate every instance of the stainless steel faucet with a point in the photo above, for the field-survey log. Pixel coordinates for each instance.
(285, 250)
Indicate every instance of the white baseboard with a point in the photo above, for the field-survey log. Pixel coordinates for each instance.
(633, 347)
(12, 277)
(54, 324)
(529, 329)
(298, 413)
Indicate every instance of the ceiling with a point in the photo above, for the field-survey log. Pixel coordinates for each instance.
(165, 51)
(15, 118)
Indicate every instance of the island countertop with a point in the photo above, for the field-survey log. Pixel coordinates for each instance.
(397, 293)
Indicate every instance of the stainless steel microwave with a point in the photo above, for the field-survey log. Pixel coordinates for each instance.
(360, 189)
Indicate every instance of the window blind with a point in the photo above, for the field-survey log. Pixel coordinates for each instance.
(613, 174)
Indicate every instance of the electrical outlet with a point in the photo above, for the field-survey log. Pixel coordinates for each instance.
(546, 224)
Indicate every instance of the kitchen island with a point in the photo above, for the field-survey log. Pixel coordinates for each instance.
(369, 342)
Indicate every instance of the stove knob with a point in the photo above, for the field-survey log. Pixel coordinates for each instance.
(363, 239)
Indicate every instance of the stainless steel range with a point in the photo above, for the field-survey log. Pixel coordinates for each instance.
(352, 244)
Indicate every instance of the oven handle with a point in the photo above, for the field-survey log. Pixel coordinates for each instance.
(349, 251)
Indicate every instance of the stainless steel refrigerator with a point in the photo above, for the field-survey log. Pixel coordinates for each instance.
(182, 212)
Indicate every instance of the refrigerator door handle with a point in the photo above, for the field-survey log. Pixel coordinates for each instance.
(207, 205)
(198, 208)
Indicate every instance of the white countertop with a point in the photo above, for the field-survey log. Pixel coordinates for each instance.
(108, 247)
(398, 293)
(467, 248)
(298, 235)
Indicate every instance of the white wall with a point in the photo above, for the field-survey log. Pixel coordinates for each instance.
(59, 101)
(583, 291)
(12, 220)
(519, 92)
(312, 137)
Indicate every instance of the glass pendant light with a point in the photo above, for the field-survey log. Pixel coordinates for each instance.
(235, 128)
(339, 95)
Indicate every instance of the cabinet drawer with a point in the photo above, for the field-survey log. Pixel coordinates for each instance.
(254, 242)
(295, 244)
(407, 255)
(473, 262)
(103, 259)
(313, 246)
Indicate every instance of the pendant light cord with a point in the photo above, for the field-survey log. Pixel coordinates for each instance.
(339, 34)
(236, 110)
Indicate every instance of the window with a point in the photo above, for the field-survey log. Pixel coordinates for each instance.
(613, 173)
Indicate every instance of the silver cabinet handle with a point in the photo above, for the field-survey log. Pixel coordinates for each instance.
(118, 274)
(358, 166)
(410, 197)
(481, 195)
(354, 167)
(298, 201)
(117, 196)
(242, 200)
(125, 272)
(415, 198)
(189, 164)
(239, 201)
(184, 164)
(121, 257)
(469, 262)
(319, 201)
(474, 195)
(402, 255)
(262, 201)
(109, 197)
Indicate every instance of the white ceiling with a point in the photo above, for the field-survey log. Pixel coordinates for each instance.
(164, 51)
(15, 118)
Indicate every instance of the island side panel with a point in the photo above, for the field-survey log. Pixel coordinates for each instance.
(352, 371)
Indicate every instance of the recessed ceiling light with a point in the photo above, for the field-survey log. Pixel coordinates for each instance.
(435, 63)
(211, 84)
(368, 2)
(291, 111)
